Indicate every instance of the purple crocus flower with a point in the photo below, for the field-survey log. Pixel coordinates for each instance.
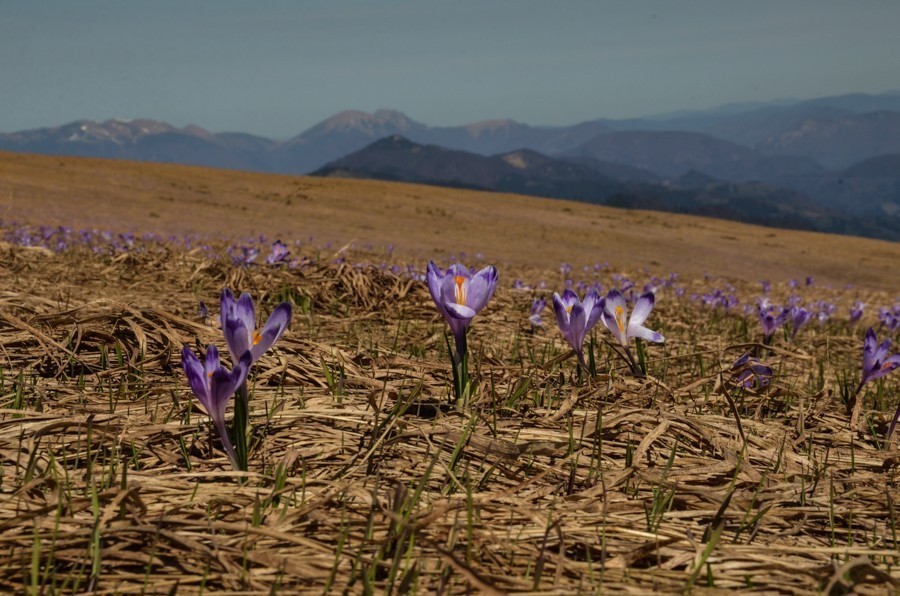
(280, 253)
(214, 385)
(577, 318)
(238, 319)
(856, 311)
(799, 317)
(750, 372)
(537, 307)
(615, 315)
(770, 319)
(246, 257)
(875, 361)
(824, 310)
(890, 319)
(460, 295)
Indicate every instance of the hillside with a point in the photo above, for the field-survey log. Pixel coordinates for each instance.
(524, 171)
(841, 141)
(423, 222)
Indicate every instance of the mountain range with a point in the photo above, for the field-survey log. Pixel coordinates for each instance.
(832, 158)
(396, 158)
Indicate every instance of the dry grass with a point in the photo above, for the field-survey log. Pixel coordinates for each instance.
(364, 480)
(424, 222)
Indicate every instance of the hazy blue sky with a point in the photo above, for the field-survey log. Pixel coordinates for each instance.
(277, 67)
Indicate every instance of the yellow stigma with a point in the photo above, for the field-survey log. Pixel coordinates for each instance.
(620, 319)
(460, 291)
(569, 309)
(257, 337)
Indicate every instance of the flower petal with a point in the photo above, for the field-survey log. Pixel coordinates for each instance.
(245, 311)
(562, 313)
(226, 309)
(237, 336)
(642, 309)
(274, 327)
(614, 314)
(459, 311)
(241, 370)
(644, 333)
(222, 388)
(196, 375)
(211, 362)
(593, 308)
(481, 288)
(458, 270)
(569, 298)
(741, 361)
(576, 333)
(868, 355)
(435, 277)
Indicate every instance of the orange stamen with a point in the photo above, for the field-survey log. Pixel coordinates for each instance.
(460, 291)
(620, 319)
(257, 337)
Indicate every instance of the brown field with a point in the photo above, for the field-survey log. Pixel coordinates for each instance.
(424, 222)
(363, 478)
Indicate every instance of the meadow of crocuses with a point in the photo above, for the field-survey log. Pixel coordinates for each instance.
(186, 415)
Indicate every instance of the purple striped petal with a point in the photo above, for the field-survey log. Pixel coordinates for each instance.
(227, 306)
(481, 288)
(460, 311)
(644, 333)
(211, 362)
(562, 313)
(196, 375)
(245, 311)
(593, 307)
(569, 298)
(272, 331)
(614, 316)
(237, 336)
(435, 277)
(642, 309)
(577, 319)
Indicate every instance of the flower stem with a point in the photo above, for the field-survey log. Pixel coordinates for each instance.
(890, 431)
(460, 360)
(635, 369)
(240, 425)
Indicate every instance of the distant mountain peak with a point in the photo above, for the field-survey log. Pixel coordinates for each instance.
(365, 122)
(116, 130)
(476, 129)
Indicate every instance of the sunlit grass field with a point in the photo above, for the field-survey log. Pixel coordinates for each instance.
(366, 477)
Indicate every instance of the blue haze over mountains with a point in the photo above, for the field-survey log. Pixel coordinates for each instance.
(829, 164)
